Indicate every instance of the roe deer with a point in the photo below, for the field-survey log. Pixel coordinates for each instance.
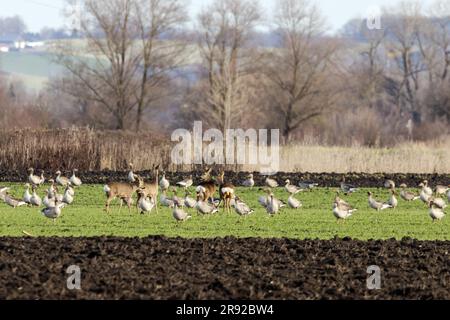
(122, 190)
(150, 189)
(226, 192)
(207, 187)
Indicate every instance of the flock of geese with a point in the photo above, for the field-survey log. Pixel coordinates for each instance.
(206, 201)
(436, 205)
(53, 201)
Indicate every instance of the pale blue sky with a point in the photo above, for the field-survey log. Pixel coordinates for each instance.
(40, 13)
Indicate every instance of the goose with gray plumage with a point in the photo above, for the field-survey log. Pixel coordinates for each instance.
(53, 212)
(249, 182)
(377, 205)
(407, 195)
(271, 183)
(62, 181)
(205, 208)
(290, 188)
(33, 179)
(35, 200)
(347, 188)
(74, 180)
(294, 203)
(436, 213)
(12, 202)
(164, 184)
(179, 214)
(241, 208)
(27, 195)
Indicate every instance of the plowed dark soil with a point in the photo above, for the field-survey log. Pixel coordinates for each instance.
(161, 268)
(323, 179)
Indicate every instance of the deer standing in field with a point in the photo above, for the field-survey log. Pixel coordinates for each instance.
(150, 189)
(207, 187)
(226, 192)
(122, 190)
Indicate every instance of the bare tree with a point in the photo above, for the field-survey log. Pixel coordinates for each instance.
(300, 70)
(225, 30)
(124, 57)
(402, 23)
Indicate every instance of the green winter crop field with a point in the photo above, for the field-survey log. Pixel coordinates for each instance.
(314, 220)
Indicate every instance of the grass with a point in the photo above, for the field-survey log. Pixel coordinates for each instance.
(315, 220)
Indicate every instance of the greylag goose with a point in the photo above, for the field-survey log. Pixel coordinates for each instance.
(306, 185)
(188, 201)
(294, 203)
(176, 199)
(426, 188)
(145, 203)
(438, 202)
(393, 201)
(49, 200)
(70, 190)
(425, 193)
(164, 184)
(3, 191)
(27, 195)
(132, 177)
(435, 212)
(74, 180)
(62, 181)
(347, 188)
(12, 202)
(53, 212)
(32, 179)
(389, 184)
(290, 188)
(186, 183)
(249, 182)
(35, 200)
(42, 178)
(441, 190)
(374, 204)
(205, 208)
(407, 195)
(165, 201)
(273, 205)
(67, 197)
(343, 205)
(264, 200)
(241, 207)
(271, 183)
(179, 214)
(342, 210)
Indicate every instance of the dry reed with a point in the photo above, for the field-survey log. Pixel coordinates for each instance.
(90, 150)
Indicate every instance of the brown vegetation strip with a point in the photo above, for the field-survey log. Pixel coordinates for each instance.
(162, 268)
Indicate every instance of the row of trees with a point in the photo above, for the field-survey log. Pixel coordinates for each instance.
(139, 68)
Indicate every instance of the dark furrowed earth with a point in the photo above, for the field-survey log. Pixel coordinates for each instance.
(223, 268)
(323, 179)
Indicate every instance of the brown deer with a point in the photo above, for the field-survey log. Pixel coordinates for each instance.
(207, 187)
(226, 191)
(122, 190)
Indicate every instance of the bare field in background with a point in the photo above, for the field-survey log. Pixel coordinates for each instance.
(90, 150)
